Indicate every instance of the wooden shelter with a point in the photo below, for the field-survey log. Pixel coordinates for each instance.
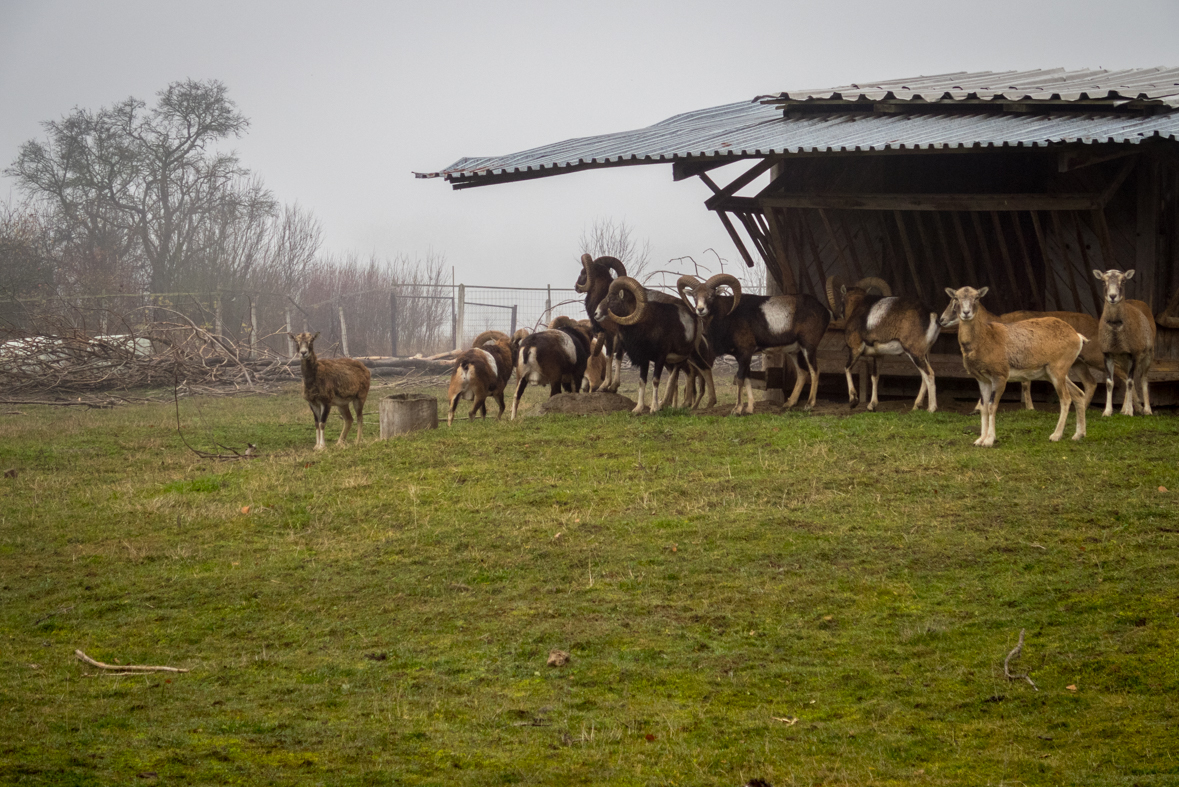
(1021, 181)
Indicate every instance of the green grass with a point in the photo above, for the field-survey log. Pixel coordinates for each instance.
(383, 614)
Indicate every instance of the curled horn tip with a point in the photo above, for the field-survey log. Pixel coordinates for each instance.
(870, 282)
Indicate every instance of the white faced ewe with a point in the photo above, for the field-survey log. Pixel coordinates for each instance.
(594, 281)
(555, 357)
(482, 371)
(1043, 348)
(332, 381)
(742, 325)
(656, 330)
(1126, 335)
(886, 324)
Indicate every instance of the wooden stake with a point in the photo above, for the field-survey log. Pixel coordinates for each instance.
(918, 290)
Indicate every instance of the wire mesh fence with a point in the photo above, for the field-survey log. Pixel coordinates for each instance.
(401, 320)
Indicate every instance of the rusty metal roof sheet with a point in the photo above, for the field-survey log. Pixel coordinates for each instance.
(1136, 84)
(759, 128)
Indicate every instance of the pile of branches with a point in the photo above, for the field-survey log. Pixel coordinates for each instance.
(168, 351)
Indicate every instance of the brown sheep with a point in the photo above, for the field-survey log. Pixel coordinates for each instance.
(482, 371)
(1126, 335)
(332, 381)
(993, 353)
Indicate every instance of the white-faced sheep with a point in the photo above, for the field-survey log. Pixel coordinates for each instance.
(1044, 348)
(332, 381)
(1126, 335)
(482, 371)
(886, 324)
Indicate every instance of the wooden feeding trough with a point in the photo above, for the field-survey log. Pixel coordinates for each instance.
(404, 413)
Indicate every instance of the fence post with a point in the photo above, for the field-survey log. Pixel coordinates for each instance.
(548, 306)
(217, 314)
(253, 326)
(460, 315)
(393, 323)
(513, 331)
(290, 330)
(343, 330)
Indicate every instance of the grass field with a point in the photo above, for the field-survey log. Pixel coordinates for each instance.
(805, 599)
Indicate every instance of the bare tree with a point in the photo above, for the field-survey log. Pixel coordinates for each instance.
(146, 183)
(607, 237)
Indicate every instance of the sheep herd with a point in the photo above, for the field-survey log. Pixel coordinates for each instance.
(686, 334)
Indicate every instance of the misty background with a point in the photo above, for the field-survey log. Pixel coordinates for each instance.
(345, 101)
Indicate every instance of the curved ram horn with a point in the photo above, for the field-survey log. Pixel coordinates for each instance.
(640, 296)
(722, 279)
(687, 282)
(834, 295)
(586, 261)
(871, 282)
(614, 264)
(490, 336)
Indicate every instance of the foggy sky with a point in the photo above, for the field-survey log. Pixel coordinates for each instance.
(346, 100)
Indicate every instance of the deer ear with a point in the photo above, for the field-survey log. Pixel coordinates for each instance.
(983, 291)
(316, 336)
(951, 293)
(1098, 275)
(1130, 274)
(293, 336)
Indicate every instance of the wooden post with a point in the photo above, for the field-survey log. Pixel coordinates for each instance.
(343, 330)
(460, 316)
(217, 314)
(291, 349)
(250, 353)
(404, 413)
(513, 331)
(393, 324)
(548, 305)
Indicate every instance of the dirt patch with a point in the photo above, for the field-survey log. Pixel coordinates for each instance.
(584, 404)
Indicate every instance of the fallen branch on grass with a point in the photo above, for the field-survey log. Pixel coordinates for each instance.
(1014, 654)
(127, 669)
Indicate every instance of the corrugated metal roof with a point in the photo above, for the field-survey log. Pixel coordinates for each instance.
(756, 129)
(1136, 84)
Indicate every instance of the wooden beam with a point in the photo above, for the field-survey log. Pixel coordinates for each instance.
(971, 270)
(740, 244)
(972, 202)
(1086, 265)
(796, 239)
(1115, 184)
(1004, 253)
(917, 288)
(1065, 262)
(930, 256)
(1050, 271)
(848, 271)
(683, 169)
(786, 278)
(750, 175)
(985, 249)
(1102, 231)
(1027, 263)
(1147, 235)
(851, 245)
